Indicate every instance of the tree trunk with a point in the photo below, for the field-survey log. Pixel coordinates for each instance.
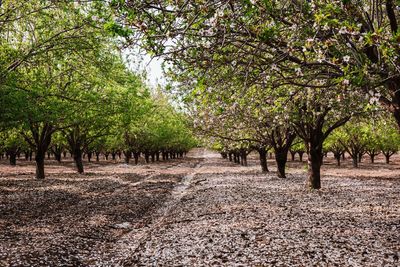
(89, 156)
(136, 156)
(39, 158)
(78, 159)
(146, 157)
(57, 156)
(128, 155)
(263, 159)
(158, 156)
(387, 157)
(281, 159)
(314, 166)
(153, 157)
(230, 156)
(360, 155)
(293, 154)
(301, 153)
(13, 158)
(372, 158)
(337, 156)
(65, 154)
(97, 156)
(355, 160)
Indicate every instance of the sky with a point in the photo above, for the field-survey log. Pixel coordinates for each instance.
(152, 66)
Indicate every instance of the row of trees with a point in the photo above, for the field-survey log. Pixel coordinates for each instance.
(262, 72)
(357, 138)
(67, 86)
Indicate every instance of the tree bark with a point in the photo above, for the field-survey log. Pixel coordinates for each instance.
(355, 160)
(314, 166)
(13, 158)
(263, 159)
(39, 158)
(128, 155)
(281, 159)
(78, 159)
(337, 156)
(301, 153)
(136, 157)
(293, 155)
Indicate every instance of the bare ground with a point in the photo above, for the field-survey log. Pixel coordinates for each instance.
(199, 211)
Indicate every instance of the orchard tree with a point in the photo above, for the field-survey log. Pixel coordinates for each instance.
(12, 143)
(258, 43)
(334, 144)
(388, 138)
(353, 140)
(350, 42)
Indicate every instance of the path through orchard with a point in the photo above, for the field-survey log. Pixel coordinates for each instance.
(225, 215)
(199, 211)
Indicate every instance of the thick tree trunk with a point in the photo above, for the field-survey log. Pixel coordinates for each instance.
(39, 158)
(314, 166)
(97, 156)
(153, 157)
(230, 156)
(372, 157)
(13, 158)
(281, 159)
(158, 156)
(263, 160)
(78, 159)
(65, 154)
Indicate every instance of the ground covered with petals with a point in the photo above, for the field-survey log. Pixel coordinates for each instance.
(198, 211)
